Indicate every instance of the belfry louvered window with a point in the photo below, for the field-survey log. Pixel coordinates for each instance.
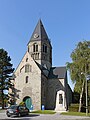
(45, 48)
(35, 48)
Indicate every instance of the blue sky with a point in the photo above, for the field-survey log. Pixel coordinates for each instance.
(67, 22)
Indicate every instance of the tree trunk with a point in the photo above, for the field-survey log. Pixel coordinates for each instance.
(80, 100)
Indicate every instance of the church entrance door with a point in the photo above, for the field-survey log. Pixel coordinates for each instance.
(28, 102)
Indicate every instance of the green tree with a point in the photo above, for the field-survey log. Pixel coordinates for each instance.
(6, 71)
(80, 67)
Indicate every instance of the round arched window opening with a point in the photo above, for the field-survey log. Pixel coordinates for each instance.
(35, 47)
(45, 48)
(27, 79)
(26, 59)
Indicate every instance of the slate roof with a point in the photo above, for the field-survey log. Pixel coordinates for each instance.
(57, 72)
(39, 33)
(43, 69)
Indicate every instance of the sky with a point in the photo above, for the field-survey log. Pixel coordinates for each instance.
(66, 22)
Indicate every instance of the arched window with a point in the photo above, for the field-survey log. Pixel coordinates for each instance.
(35, 48)
(45, 48)
(26, 79)
(28, 49)
(28, 68)
(60, 99)
(26, 59)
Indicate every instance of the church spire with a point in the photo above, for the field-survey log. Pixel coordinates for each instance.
(40, 47)
(39, 32)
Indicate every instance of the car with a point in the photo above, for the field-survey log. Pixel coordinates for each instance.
(17, 110)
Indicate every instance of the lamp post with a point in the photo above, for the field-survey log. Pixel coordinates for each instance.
(87, 78)
(86, 98)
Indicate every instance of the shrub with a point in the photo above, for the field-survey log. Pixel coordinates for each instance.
(22, 103)
(74, 107)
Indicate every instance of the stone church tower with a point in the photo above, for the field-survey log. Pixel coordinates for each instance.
(40, 47)
(37, 83)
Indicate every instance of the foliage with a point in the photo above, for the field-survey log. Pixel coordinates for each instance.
(79, 68)
(22, 103)
(80, 62)
(73, 108)
(89, 92)
(6, 71)
(76, 97)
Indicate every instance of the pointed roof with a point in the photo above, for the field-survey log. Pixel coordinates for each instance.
(39, 32)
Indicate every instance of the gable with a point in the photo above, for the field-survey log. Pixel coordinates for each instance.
(27, 60)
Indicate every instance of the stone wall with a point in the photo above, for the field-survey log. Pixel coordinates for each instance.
(54, 85)
(44, 81)
(33, 87)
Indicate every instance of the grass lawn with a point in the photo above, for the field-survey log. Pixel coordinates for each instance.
(44, 112)
(2, 110)
(75, 113)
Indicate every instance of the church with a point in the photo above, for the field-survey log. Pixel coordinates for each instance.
(37, 83)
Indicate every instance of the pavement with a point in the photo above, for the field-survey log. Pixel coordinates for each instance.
(57, 116)
(33, 116)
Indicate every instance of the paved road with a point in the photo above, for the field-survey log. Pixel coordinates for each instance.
(56, 116)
